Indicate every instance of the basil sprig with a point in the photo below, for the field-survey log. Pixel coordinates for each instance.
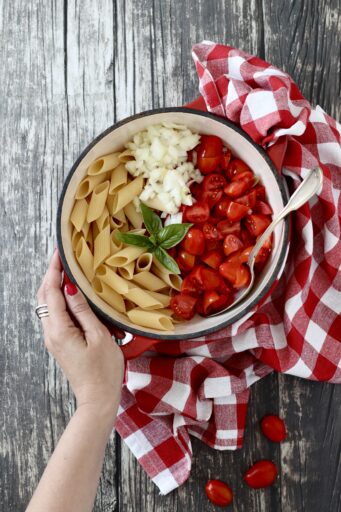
(160, 239)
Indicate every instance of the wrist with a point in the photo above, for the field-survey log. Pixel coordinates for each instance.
(102, 413)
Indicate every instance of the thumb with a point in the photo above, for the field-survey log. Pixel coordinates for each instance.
(80, 309)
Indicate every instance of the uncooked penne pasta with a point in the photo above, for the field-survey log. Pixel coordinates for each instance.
(87, 185)
(127, 271)
(109, 277)
(118, 178)
(108, 295)
(97, 202)
(126, 155)
(115, 224)
(149, 281)
(173, 280)
(76, 236)
(102, 247)
(85, 229)
(161, 297)
(103, 164)
(143, 298)
(115, 245)
(152, 319)
(90, 240)
(144, 262)
(120, 216)
(134, 217)
(95, 230)
(85, 259)
(126, 194)
(103, 220)
(125, 256)
(78, 214)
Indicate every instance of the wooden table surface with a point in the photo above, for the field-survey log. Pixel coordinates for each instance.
(69, 69)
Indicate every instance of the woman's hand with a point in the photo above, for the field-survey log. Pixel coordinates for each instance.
(82, 345)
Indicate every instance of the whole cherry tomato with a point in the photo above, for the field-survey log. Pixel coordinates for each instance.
(219, 493)
(194, 241)
(257, 223)
(213, 258)
(185, 260)
(183, 305)
(261, 474)
(232, 244)
(197, 213)
(273, 428)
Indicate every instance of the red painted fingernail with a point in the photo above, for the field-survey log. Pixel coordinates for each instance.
(71, 289)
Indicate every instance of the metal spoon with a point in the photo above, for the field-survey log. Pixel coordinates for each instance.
(311, 184)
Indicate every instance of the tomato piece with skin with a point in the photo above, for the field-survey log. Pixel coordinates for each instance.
(235, 167)
(247, 238)
(188, 287)
(213, 244)
(273, 427)
(225, 159)
(210, 232)
(219, 493)
(197, 213)
(211, 279)
(246, 176)
(227, 227)
(212, 188)
(183, 305)
(213, 301)
(212, 197)
(213, 258)
(260, 192)
(185, 260)
(248, 199)
(262, 474)
(235, 273)
(262, 207)
(209, 152)
(207, 165)
(236, 188)
(196, 277)
(194, 241)
(221, 207)
(232, 244)
(236, 211)
(257, 223)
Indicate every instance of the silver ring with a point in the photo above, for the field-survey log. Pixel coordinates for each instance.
(42, 311)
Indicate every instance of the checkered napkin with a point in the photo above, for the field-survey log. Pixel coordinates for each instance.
(201, 387)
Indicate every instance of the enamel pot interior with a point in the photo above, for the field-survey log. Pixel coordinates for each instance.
(112, 140)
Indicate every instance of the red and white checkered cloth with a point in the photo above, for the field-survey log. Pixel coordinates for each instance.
(201, 387)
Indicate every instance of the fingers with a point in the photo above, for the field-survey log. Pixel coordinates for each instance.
(81, 310)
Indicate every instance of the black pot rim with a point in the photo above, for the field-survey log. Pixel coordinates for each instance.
(106, 318)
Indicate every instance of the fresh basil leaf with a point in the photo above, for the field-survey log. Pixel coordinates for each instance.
(167, 261)
(132, 239)
(151, 220)
(173, 234)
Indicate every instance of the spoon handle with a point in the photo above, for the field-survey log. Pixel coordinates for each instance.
(311, 184)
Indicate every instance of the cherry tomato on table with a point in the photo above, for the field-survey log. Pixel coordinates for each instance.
(273, 428)
(219, 493)
(194, 241)
(262, 474)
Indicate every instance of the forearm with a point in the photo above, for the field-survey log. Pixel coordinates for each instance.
(71, 477)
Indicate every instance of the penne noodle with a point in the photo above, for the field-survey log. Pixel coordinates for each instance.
(85, 229)
(87, 185)
(149, 281)
(151, 319)
(125, 256)
(118, 178)
(144, 262)
(127, 272)
(173, 280)
(108, 295)
(90, 240)
(104, 164)
(164, 299)
(97, 202)
(126, 194)
(129, 305)
(143, 298)
(115, 224)
(95, 230)
(109, 277)
(85, 259)
(135, 218)
(102, 247)
(78, 214)
(120, 216)
(126, 155)
(76, 236)
(115, 245)
(103, 220)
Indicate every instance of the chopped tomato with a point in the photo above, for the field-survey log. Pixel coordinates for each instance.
(197, 213)
(183, 305)
(232, 244)
(235, 167)
(188, 287)
(260, 192)
(196, 277)
(186, 261)
(221, 208)
(213, 258)
(209, 153)
(194, 241)
(262, 207)
(210, 232)
(212, 197)
(236, 211)
(213, 244)
(246, 176)
(210, 278)
(236, 273)
(248, 199)
(226, 227)
(257, 223)
(225, 160)
(213, 301)
(236, 188)
(246, 238)
(214, 181)
(243, 277)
